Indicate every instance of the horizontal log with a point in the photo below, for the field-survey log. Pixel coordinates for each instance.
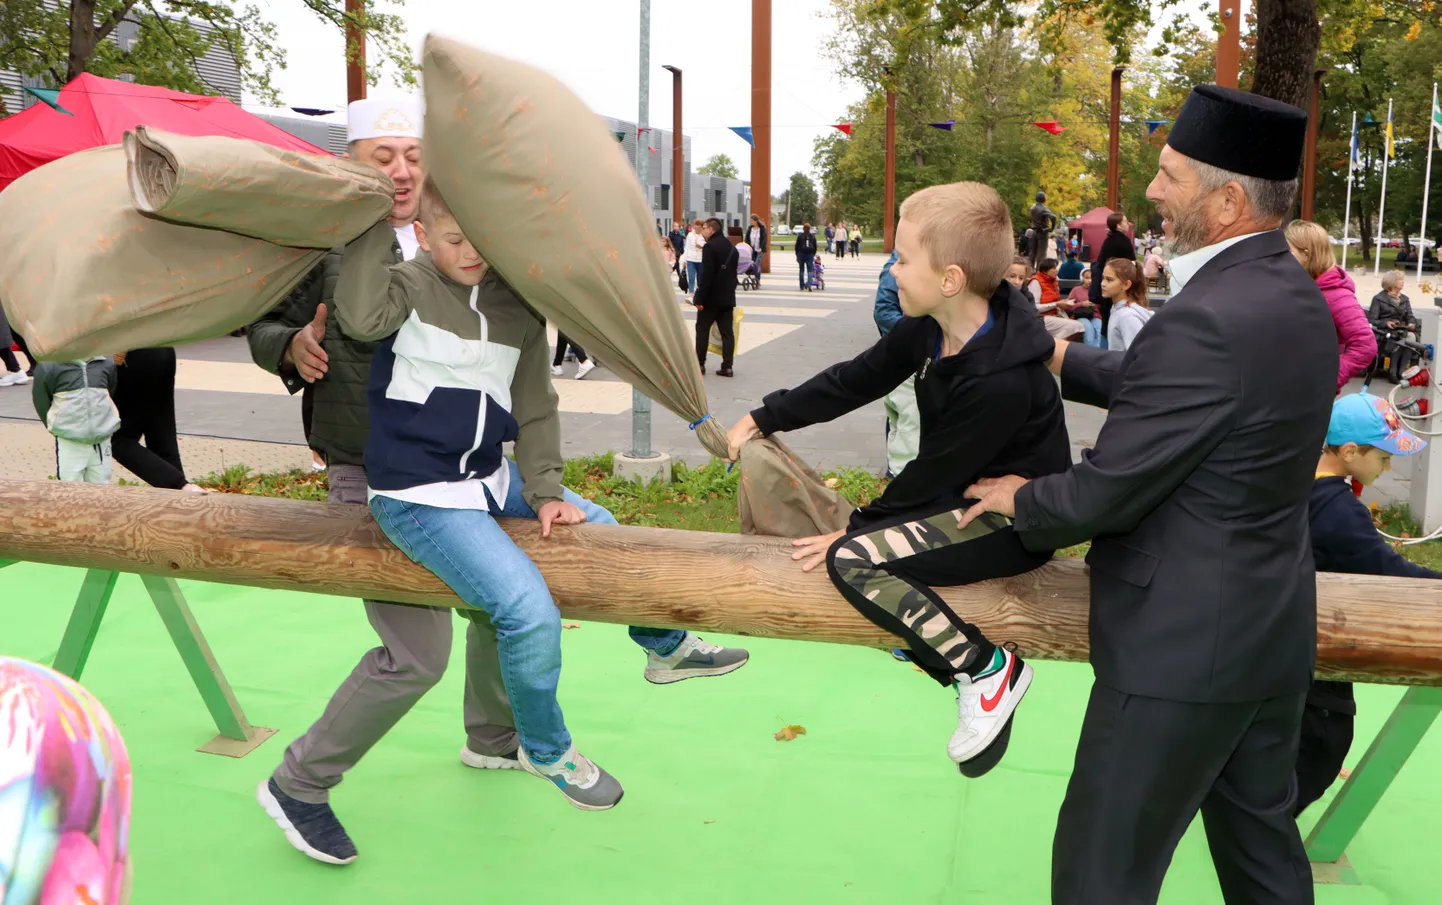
(1370, 629)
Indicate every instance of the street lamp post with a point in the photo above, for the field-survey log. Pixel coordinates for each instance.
(678, 149)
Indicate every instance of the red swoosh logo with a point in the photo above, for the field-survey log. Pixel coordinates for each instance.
(990, 705)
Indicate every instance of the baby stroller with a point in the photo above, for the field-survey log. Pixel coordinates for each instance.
(818, 274)
(748, 273)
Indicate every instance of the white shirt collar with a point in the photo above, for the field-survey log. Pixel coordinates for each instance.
(406, 235)
(1184, 267)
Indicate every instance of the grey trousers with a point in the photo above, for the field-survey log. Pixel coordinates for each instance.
(390, 679)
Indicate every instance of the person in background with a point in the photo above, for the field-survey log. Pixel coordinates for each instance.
(677, 240)
(1356, 343)
(1071, 268)
(584, 365)
(1125, 287)
(1391, 310)
(1084, 312)
(855, 239)
(1115, 245)
(692, 255)
(1362, 437)
(1154, 265)
(72, 399)
(830, 234)
(903, 417)
(716, 296)
(841, 239)
(759, 238)
(12, 375)
(805, 254)
(1043, 285)
(146, 442)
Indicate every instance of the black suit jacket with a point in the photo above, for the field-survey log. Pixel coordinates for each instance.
(1115, 245)
(1196, 493)
(716, 283)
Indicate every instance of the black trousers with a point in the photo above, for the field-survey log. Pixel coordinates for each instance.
(723, 319)
(1326, 739)
(145, 398)
(561, 343)
(1145, 766)
(20, 343)
(7, 357)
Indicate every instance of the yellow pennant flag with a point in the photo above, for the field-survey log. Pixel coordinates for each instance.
(1391, 151)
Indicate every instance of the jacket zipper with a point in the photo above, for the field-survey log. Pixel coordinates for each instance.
(480, 410)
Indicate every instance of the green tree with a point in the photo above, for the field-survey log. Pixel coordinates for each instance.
(802, 197)
(59, 41)
(720, 165)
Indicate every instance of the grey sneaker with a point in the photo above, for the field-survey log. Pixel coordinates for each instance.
(693, 657)
(584, 784)
(489, 761)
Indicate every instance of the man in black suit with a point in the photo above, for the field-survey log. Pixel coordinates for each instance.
(715, 298)
(1203, 600)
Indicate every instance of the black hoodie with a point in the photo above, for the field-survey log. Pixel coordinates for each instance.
(990, 410)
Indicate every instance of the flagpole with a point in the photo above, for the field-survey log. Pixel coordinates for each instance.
(1382, 205)
(1427, 184)
(1351, 175)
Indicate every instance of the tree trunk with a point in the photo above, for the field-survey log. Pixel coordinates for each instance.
(82, 37)
(1288, 37)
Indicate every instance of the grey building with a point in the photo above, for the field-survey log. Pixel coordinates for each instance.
(728, 200)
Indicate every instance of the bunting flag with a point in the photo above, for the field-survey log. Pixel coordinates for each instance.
(51, 97)
(745, 133)
(311, 111)
(1437, 122)
(945, 127)
(1154, 124)
(844, 127)
(1355, 163)
(620, 136)
(1051, 126)
(1391, 148)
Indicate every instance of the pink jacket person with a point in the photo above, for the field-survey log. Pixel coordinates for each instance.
(1355, 341)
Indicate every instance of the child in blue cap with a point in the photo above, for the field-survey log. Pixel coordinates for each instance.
(1363, 436)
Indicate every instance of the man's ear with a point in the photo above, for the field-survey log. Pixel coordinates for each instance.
(423, 240)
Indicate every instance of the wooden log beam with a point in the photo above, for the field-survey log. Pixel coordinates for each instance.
(1371, 629)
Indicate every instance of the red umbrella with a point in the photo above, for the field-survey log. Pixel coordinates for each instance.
(103, 109)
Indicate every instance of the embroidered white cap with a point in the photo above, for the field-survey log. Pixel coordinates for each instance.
(384, 117)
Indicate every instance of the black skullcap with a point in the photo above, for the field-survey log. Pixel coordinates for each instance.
(1240, 132)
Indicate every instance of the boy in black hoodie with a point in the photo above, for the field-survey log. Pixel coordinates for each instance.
(1363, 436)
(976, 351)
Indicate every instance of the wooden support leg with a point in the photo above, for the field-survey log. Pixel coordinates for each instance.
(84, 622)
(1399, 737)
(237, 736)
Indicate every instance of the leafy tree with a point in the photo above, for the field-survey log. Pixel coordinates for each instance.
(58, 41)
(802, 196)
(720, 165)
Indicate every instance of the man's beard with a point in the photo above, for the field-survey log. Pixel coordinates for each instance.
(1189, 228)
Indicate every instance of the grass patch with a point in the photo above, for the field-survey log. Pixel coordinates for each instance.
(1397, 521)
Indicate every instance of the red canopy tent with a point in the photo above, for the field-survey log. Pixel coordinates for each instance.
(1093, 228)
(103, 109)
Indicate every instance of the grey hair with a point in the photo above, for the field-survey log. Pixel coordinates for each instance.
(1392, 278)
(1271, 199)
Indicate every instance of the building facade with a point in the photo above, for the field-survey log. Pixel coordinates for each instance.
(728, 200)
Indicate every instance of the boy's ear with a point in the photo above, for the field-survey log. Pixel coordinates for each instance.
(423, 240)
(953, 280)
(1349, 451)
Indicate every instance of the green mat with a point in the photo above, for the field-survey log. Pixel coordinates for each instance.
(864, 808)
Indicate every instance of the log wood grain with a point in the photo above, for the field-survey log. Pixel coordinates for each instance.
(1370, 629)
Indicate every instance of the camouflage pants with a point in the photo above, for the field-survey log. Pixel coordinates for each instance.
(887, 571)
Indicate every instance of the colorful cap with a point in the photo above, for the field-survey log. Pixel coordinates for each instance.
(1369, 420)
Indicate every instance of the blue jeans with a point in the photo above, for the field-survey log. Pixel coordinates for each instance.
(805, 265)
(1092, 331)
(467, 550)
(693, 273)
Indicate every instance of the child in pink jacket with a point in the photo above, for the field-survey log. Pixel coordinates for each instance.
(1356, 344)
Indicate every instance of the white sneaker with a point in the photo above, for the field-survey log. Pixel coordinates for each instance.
(557, 371)
(13, 379)
(985, 706)
(584, 784)
(586, 367)
(490, 761)
(693, 657)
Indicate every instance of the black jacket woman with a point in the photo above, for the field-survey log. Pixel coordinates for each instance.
(805, 254)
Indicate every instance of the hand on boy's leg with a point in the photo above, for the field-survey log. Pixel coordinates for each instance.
(992, 495)
(558, 512)
(811, 551)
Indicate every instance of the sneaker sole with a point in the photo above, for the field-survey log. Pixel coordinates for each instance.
(273, 810)
(487, 762)
(671, 676)
(1009, 708)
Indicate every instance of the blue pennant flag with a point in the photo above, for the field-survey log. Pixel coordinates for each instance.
(945, 127)
(1154, 124)
(51, 96)
(1354, 162)
(745, 133)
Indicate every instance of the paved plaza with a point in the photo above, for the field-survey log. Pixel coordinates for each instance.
(230, 412)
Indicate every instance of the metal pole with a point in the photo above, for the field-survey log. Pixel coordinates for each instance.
(1309, 160)
(355, 53)
(640, 403)
(761, 115)
(1114, 138)
(678, 150)
(1351, 177)
(1229, 44)
(1382, 206)
(888, 190)
(1427, 185)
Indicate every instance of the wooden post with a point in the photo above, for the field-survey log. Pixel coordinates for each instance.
(1370, 628)
(678, 150)
(355, 58)
(1309, 157)
(1229, 43)
(1114, 138)
(888, 192)
(761, 116)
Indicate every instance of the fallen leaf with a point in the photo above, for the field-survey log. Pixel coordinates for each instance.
(832, 483)
(917, 668)
(789, 733)
(708, 821)
(1345, 773)
(570, 625)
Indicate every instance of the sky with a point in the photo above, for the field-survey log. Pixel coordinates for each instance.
(593, 47)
